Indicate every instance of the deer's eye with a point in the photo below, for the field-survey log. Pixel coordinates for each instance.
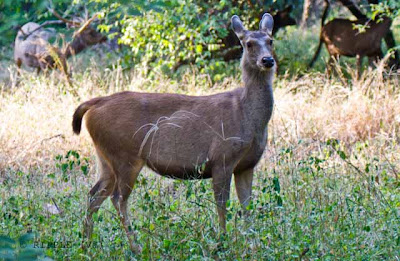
(249, 44)
(271, 42)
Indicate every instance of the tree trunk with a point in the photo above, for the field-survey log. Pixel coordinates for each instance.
(306, 12)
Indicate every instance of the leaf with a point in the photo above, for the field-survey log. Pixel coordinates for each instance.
(151, 227)
(29, 253)
(276, 184)
(26, 238)
(342, 154)
(199, 48)
(7, 254)
(367, 228)
(166, 243)
(6, 241)
(279, 200)
(64, 167)
(84, 169)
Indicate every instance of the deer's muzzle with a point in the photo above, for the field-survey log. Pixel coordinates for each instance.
(268, 62)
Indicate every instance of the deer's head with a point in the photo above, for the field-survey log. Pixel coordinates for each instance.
(282, 19)
(85, 33)
(257, 45)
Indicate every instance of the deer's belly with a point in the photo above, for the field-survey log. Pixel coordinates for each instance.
(190, 155)
(178, 159)
(181, 171)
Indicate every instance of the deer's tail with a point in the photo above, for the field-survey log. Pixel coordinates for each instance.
(323, 18)
(80, 111)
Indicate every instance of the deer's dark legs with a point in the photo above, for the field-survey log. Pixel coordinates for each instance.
(359, 65)
(373, 60)
(98, 194)
(19, 64)
(127, 176)
(332, 64)
(243, 183)
(221, 179)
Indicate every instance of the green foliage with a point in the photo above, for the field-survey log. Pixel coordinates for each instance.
(185, 33)
(307, 205)
(69, 162)
(20, 249)
(181, 33)
(390, 8)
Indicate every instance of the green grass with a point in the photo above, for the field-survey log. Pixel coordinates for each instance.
(316, 206)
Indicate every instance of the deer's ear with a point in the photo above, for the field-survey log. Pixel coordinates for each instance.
(237, 26)
(267, 23)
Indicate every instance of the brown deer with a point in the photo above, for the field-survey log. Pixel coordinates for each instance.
(184, 137)
(342, 38)
(32, 47)
(282, 18)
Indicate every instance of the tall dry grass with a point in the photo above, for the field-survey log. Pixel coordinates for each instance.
(36, 115)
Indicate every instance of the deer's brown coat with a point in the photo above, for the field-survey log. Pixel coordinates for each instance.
(184, 137)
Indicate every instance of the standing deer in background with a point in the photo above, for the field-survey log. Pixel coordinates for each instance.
(184, 137)
(32, 47)
(342, 38)
(282, 19)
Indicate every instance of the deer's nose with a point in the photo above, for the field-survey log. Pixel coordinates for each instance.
(268, 61)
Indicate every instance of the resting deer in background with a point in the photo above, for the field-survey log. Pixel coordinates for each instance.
(184, 137)
(342, 38)
(32, 47)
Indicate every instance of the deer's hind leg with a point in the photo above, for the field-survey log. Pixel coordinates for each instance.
(100, 191)
(373, 60)
(332, 65)
(126, 178)
(359, 66)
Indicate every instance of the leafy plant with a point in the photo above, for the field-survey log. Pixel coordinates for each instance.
(20, 249)
(70, 161)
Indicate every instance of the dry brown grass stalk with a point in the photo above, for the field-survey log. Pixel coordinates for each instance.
(36, 116)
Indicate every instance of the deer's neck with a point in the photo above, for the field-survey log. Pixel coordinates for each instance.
(257, 98)
(75, 47)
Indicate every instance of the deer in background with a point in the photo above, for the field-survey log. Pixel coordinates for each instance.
(342, 38)
(184, 137)
(32, 47)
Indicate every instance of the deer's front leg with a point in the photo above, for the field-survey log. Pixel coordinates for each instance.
(221, 176)
(243, 183)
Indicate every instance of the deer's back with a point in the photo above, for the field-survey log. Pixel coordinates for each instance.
(341, 38)
(177, 135)
(30, 44)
